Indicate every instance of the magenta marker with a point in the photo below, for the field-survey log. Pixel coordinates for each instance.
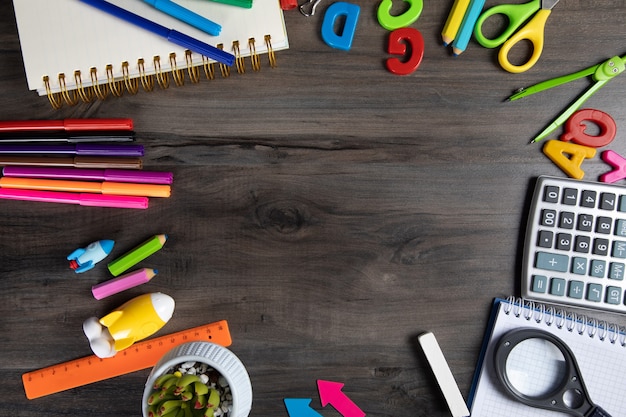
(83, 199)
(122, 283)
(86, 174)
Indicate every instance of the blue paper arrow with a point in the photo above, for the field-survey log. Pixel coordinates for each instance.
(299, 407)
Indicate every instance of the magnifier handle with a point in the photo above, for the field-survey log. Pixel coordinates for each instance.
(597, 412)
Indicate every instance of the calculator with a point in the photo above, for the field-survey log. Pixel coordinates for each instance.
(575, 244)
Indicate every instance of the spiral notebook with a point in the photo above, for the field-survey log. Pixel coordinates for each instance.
(599, 348)
(74, 52)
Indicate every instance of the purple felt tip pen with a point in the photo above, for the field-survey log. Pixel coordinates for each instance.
(95, 149)
(85, 174)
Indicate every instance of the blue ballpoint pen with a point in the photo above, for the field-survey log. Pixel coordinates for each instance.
(185, 15)
(171, 35)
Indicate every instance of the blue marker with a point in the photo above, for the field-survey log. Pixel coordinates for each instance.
(171, 35)
(185, 15)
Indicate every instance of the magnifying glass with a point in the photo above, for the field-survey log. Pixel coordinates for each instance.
(539, 370)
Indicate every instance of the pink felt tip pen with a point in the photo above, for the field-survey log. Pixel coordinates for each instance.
(122, 283)
(83, 199)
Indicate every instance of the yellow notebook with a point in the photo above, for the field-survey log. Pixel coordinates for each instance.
(73, 51)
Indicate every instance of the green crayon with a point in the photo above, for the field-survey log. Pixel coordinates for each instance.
(137, 254)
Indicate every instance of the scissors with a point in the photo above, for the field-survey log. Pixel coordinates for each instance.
(533, 31)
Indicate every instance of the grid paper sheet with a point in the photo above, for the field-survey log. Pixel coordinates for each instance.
(602, 363)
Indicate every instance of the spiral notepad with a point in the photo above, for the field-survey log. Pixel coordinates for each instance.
(73, 52)
(599, 348)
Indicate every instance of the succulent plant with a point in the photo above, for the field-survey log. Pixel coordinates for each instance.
(189, 391)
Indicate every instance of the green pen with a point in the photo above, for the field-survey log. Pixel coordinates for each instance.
(137, 254)
(601, 74)
(239, 3)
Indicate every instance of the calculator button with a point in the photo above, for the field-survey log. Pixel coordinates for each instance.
(540, 283)
(588, 199)
(557, 286)
(552, 261)
(597, 268)
(594, 292)
(616, 271)
(585, 222)
(544, 240)
(576, 289)
(607, 201)
(622, 203)
(579, 265)
(582, 244)
(570, 196)
(563, 241)
(613, 295)
(619, 249)
(603, 225)
(551, 194)
(548, 218)
(620, 227)
(566, 220)
(600, 246)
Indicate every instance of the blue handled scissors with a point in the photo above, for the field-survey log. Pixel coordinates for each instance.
(533, 31)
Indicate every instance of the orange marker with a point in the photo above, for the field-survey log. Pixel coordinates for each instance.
(141, 355)
(106, 187)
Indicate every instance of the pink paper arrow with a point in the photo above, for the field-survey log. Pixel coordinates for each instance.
(330, 393)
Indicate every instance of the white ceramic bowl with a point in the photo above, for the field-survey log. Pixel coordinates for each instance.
(218, 357)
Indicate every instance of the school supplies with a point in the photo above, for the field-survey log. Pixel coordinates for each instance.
(67, 125)
(144, 354)
(123, 282)
(84, 174)
(103, 162)
(105, 187)
(78, 149)
(82, 199)
(453, 23)
(172, 35)
(466, 29)
(601, 74)
(185, 15)
(598, 347)
(516, 15)
(443, 374)
(575, 246)
(136, 255)
(73, 52)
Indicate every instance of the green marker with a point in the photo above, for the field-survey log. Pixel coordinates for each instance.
(137, 254)
(239, 3)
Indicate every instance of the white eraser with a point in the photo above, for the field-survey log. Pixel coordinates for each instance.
(444, 376)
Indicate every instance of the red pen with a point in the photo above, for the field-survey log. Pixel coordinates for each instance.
(68, 125)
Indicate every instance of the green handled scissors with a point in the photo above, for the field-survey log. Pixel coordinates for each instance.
(533, 31)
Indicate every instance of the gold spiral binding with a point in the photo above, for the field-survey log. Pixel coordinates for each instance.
(177, 74)
(162, 77)
(100, 92)
(53, 98)
(270, 51)
(147, 81)
(70, 98)
(132, 85)
(239, 61)
(224, 69)
(192, 71)
(115, 86)
(255, 60)
(209, 68)
(86, 95)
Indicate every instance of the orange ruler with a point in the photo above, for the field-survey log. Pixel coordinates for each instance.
(140, 355)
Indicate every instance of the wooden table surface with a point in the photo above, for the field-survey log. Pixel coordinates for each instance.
(329, 210)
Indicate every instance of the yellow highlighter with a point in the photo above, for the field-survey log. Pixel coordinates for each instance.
(106, 187)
